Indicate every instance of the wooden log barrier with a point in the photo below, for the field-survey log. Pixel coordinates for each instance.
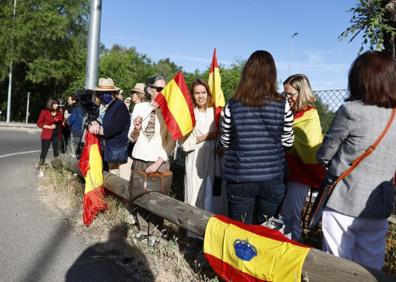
(318, 265)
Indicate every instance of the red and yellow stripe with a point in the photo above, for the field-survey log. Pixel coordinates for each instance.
(91, 167)
(242, 252)
(177, 107)
(301, 158)
(214, 83)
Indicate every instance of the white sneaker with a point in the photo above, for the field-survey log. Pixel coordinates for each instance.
(41, 173)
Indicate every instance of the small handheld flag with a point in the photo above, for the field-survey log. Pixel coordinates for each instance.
(177, 107)
(215, 87)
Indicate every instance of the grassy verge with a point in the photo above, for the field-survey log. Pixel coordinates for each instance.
(390, 255)
(116, 236)
(166, 260)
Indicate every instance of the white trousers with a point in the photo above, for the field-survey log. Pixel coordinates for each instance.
(361, 240)
(292, 208)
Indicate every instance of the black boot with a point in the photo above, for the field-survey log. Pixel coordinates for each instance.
(41, 163)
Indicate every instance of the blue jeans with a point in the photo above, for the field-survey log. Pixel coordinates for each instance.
(253, 203)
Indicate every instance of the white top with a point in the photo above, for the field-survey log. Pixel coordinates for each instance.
(161, 144)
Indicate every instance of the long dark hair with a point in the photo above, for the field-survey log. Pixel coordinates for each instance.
(372, 79)
(257, 86)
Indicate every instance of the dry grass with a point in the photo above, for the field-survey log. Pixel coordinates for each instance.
(117, 237)
(390, 256)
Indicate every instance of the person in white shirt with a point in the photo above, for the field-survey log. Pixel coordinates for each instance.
(153, 142)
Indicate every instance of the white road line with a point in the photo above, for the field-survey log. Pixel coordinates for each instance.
(19, 153)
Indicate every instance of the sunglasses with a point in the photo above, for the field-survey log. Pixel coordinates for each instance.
(158, 88)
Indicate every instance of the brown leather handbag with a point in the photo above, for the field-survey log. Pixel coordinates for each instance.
(143, 182)
(327, 188)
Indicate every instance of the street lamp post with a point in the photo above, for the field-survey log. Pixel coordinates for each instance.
(27, 107)
(93, 44)
(10, 74)
(291, 50)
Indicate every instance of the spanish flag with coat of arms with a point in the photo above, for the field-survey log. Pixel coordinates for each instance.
(92, 169)
(177, 107)
(243, 252)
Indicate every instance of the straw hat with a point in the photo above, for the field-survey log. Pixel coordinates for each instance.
(138, 88)
(106, 85)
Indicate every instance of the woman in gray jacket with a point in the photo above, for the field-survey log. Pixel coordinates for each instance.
(354, 220)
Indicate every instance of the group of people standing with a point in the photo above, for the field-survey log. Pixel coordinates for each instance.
(271, 160)
(273, 148)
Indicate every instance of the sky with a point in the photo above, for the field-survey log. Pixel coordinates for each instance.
(186, 32)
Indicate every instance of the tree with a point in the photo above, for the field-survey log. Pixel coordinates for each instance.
(47, 44)
(376, 19)
(125, 66)
(167, 68)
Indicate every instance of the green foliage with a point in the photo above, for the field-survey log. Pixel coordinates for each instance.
(370, 18)
(125, 66)
(390, 255)
(325, 115)
(46, 41)
(230, 78)
(166, 68)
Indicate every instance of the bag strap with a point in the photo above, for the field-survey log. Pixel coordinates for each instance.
(369, 150)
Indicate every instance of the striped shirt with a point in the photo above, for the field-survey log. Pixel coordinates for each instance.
(287, 137)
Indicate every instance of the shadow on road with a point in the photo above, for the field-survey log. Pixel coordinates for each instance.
(113, 260)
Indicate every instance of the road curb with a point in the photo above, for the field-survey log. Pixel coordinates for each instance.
(19, 126)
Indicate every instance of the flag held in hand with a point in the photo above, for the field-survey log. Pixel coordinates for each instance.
(177, 107)
(214, 83)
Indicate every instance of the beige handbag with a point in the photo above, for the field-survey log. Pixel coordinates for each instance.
(143, 182)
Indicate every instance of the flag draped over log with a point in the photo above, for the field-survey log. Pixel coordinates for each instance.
(242, 252)
(92, 169)
(214, 83)
(177, 107)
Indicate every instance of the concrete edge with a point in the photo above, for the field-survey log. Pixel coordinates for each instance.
(19, 126)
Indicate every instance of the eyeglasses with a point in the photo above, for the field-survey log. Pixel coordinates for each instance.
(288, 94)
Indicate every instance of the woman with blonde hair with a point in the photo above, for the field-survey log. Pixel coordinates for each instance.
(303, 170)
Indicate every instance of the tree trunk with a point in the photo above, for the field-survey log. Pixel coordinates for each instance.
(390, 19)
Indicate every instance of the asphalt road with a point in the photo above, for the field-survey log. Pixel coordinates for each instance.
(37, 244)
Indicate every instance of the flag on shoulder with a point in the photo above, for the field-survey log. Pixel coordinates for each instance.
(244, 252)
(177, 107)
(92, 169)
(214, 83)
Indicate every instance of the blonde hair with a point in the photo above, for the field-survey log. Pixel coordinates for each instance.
(305, 96)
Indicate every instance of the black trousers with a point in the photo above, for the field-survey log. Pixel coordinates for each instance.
(45, 144)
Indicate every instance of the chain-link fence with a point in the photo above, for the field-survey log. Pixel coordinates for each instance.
(328, 102)
(332, 98)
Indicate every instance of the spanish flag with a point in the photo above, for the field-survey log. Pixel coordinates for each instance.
(243, 252)
(91, 168)
(301, 158)
(214, 83)
(177, 107)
